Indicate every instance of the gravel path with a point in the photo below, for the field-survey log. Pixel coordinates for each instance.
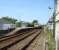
(38, 43)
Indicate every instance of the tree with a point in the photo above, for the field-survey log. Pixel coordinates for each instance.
(8, 20)
(29, 24)
(34, 22)
(18, 24)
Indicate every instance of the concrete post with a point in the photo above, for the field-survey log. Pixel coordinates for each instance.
(57, 23)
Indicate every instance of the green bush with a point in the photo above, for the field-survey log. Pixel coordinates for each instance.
(51, 41)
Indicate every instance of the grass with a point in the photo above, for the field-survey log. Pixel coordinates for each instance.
(51, 41)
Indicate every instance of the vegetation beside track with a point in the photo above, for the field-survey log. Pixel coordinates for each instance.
(51, 41)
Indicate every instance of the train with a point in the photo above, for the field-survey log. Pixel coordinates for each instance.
(7, 26)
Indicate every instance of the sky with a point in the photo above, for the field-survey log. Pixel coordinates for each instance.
(27, 10)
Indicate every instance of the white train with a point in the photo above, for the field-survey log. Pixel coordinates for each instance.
(7, 26)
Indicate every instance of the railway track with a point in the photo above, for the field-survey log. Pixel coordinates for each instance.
(19, 41)
(17, 33)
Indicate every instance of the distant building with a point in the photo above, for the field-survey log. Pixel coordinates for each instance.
(36, 25)
(23, 24)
